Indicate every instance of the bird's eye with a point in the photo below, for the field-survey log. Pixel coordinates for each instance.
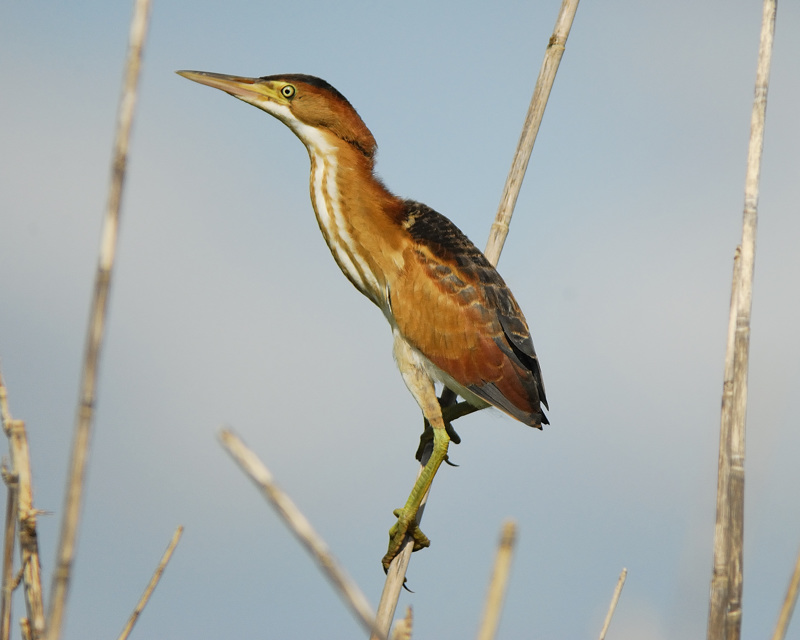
(288, 91)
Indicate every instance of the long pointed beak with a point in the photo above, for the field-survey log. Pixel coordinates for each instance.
(247, 89)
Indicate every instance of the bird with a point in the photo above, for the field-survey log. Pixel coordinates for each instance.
(453, 319)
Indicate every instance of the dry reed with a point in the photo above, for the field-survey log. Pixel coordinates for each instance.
(788, 603)
(9, 537)
(725, 606)
(404, 626)
(83, 429)
(614, 600)
(21, 516)
(300, 526)
(530, 128)
(498, 582)
(126, 631)
(8, 554)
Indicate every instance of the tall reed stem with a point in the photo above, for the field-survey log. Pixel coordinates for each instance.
(79, 458)
(725, 607)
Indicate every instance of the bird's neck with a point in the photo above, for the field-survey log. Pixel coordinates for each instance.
(356, 214)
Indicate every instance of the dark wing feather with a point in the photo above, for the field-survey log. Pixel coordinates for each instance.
(464, 317)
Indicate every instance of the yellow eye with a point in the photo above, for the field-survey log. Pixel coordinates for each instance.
(288, 91)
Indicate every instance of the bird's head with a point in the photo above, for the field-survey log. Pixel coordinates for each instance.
(309, 106)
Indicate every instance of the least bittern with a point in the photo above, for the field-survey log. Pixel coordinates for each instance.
(453, 318)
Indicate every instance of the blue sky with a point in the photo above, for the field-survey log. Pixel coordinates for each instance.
(228, 309)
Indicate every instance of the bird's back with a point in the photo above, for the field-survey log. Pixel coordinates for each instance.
(453, 306)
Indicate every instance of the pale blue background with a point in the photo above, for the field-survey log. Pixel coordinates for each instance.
(228, 309)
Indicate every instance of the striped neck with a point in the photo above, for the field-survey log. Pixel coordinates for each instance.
(345, 222)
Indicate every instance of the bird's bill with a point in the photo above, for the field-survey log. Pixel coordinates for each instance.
(248, 89)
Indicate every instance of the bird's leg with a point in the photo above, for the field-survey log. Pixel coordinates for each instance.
(425, 439)
(412, 367)
(450, 411)
(407, 516)
(455, 411)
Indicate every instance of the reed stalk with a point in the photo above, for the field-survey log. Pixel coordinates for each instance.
(614, 600)
(725, 606)
(300, 526)
(20, 517)
(788, 603)
(530, 129)
(79, 457)
(162, 565)
(498, 582)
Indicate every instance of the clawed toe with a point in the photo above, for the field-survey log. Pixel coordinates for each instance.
(405, 525)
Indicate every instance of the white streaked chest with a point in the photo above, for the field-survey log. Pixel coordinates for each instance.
(337, 228)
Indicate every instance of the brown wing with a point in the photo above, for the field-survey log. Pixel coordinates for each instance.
(453, 306)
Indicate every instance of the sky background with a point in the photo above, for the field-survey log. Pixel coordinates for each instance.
(227, 309)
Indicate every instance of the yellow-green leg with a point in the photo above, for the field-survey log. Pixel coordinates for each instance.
(407, 516)
(413, 367)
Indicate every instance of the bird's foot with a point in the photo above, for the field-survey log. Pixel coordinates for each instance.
(406, 525)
